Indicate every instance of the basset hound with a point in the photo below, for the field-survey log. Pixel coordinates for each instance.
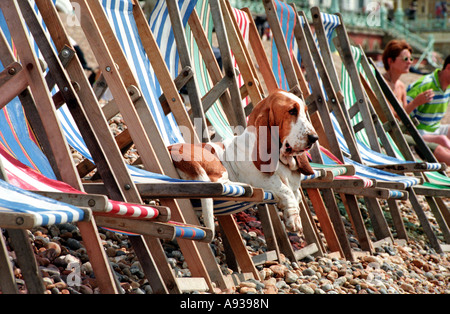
(269, 154)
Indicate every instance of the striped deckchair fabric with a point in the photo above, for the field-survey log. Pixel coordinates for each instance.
(375, 158)
(160, 25)
(215, 115)
(329, 158)
(284, 11)
(34, 210)
(19, 150)
(412, 187)
(120, 15)
(22, 176)
(287, 22)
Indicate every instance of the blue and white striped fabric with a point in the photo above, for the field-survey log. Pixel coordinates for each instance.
(44, 210)
(231, 207)
(14, 130)
(373, 173)
(330, 22)
(120, 15)
(396, 194)
(287, 18)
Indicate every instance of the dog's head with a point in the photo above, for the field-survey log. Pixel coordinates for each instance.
(287, 113)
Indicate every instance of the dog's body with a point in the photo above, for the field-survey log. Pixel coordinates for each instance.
(254, 156)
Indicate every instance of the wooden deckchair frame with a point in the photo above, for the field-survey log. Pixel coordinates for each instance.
(58, 145)
(225, 89)
(377, 217)
(363, 105)
(275, 233)
(140, 226)
(150, 127)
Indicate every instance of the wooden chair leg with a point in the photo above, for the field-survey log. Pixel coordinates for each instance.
(7, 280)
(27, 261)
(268, 229)
(325, 221)
(354, 213)
(229, 226)
(97, 257)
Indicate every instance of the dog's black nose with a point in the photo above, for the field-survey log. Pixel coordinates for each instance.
(312, 138)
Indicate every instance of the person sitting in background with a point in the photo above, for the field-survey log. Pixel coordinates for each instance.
(397, 60)
(427, 101)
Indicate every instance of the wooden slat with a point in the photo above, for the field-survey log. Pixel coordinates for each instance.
(164, 78)
(39, 90)
(133, 115)
(12, 82)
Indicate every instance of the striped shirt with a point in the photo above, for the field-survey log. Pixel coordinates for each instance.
(429, 114)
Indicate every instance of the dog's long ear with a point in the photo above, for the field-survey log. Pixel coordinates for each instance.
(266, 152)
(303, 165)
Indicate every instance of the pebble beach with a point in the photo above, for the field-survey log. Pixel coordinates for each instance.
(395, 268)
(399, 267)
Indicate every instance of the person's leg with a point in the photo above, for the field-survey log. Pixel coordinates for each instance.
(438, 139)
(442, 154)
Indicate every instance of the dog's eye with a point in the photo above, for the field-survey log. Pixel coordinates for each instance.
(293, 112)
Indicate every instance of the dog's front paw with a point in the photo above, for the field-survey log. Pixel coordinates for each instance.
(292, 220)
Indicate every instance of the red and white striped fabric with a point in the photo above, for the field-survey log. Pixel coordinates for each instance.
(26, 178)
(243, 22)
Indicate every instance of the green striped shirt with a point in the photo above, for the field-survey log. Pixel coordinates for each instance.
(429, 114)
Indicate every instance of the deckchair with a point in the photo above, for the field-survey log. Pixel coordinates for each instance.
(32, 77)
(432, 191)
(358, 77)
(412, 195)
(380, 226)
(21, 210)
(161, 13)
(128, 77)
(209, 76)
(192, 253)
(310, 185)
(245, 68)
(148, 266)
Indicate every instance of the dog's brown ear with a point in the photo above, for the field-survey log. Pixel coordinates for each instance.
(303, 165)
(265, 155)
